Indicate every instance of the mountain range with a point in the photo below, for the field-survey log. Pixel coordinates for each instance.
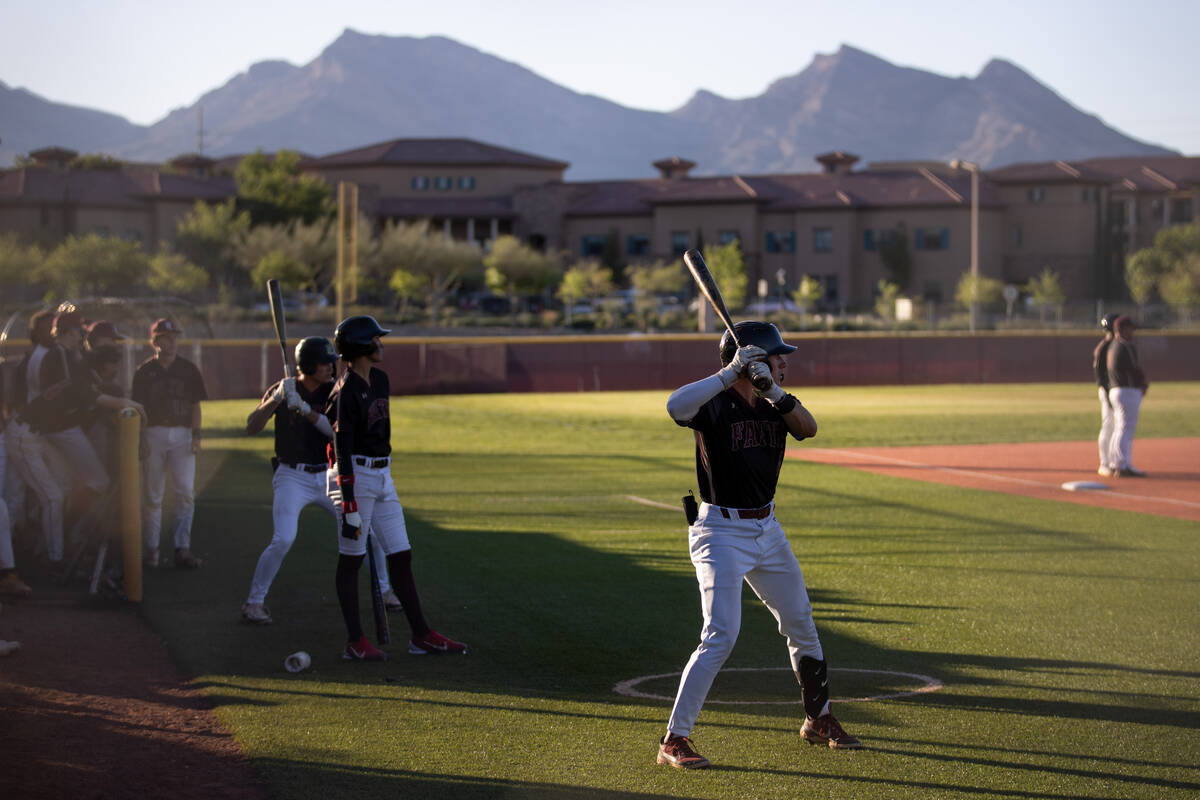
(366, 88)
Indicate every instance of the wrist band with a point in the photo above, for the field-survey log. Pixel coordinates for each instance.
(346, 480)
(349, 507)
(785, 405)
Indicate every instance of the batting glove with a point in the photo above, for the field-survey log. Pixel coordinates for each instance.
(280, 394)
(744, 357)
(299, 406)
(351, 524)
(764, 383)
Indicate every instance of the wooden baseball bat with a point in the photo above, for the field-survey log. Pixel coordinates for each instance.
(276, 298)
(708, 287)
(382, 632)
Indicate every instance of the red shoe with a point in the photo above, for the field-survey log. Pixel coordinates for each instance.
(677, 751)
(433, 643)
(825, 729)
(363, 650)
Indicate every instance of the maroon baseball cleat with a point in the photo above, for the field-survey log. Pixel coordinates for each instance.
(363, 650)
(677, 751)
(825, 729)
(433, 643)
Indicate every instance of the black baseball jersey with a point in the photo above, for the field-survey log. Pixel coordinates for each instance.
(297, 441)
(359, 412)
(68, 393)
(739, 450)
(1124, 368)
(168, 393)
(1100, 362)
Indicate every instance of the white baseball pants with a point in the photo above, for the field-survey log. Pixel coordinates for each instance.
(379, 508)
(33, 456)
(1126, 403)
(1106, 429)
(6, 550)
(170, 450)
(725, 552)
(294, 489)
(81, 465)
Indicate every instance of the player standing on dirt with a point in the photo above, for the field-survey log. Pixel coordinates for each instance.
(1100, 367)
(741, 418)
(364, 494)
(302, 435)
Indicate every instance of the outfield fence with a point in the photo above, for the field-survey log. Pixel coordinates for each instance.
(244, 368)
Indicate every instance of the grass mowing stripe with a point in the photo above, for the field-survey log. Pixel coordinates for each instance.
(1064, 635)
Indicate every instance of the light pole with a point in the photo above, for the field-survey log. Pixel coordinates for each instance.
(972, 168)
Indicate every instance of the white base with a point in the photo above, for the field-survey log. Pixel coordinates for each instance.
(1083, 486)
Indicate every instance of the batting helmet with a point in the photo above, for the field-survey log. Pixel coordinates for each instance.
(1106, 322)
(763, 334)
(355, 336)
(314, 351)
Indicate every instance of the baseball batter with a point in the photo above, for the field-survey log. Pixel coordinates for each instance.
(741, 418)
(302, 434)
(361, 487)
(171, 388)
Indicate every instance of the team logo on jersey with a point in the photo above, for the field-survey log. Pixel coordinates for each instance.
(376, 411)
(755, 433)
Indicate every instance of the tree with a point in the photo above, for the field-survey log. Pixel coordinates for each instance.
(978, 289)
(896, 257)
(94, 265)
(728, 269)
(611, 257)
(19, 264)
(806, 295)
(1046, 292)
(1143, 270)
(885, 303)
(273, 190)
(441, 263)
(1180, 288)
(514, 268)
(1166, 264)
(408, 286)
(283, 267)
(649, 281)
(585, 279)
(171, 273)
(209, 237)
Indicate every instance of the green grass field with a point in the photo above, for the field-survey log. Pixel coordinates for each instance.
(1066, 637)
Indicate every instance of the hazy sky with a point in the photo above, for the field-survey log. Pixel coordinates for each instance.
(1134, 64)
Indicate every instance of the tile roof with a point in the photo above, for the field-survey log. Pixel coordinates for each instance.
(440, 152)
(1049, 172)
(104, 187)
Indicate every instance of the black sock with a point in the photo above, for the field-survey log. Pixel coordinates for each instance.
(814, 685)
(399, 566)
(346, 584)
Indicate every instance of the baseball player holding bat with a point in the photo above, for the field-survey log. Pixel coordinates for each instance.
(361, 487)
(741, 419)
(302, 434)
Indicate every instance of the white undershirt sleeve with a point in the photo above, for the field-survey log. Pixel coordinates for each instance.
(686, 401)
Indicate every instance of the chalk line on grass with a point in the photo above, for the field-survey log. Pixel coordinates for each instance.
(628, 688)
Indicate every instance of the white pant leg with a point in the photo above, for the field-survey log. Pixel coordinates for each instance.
(387, 526)
(293, 490)
(381, 512)
(154, 478)
(181, 463)
(79, 457)
(29, 454)
(11, 484)
(722, 551)
(1106, 427)
(1126, 403)
(779, 583)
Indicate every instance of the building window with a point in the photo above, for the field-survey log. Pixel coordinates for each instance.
(593, 245)
(822, 240)
(443, 183)
(932, 292)
(869, 240)
(931, 238)
(781, 241)
(725, 237)
(1018, 236)
(1036, 194)
(831, 290)
(1089, 195)
(638, 244)
(420, 183)
(1181, 209)
(680, 242)
(466, 182)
